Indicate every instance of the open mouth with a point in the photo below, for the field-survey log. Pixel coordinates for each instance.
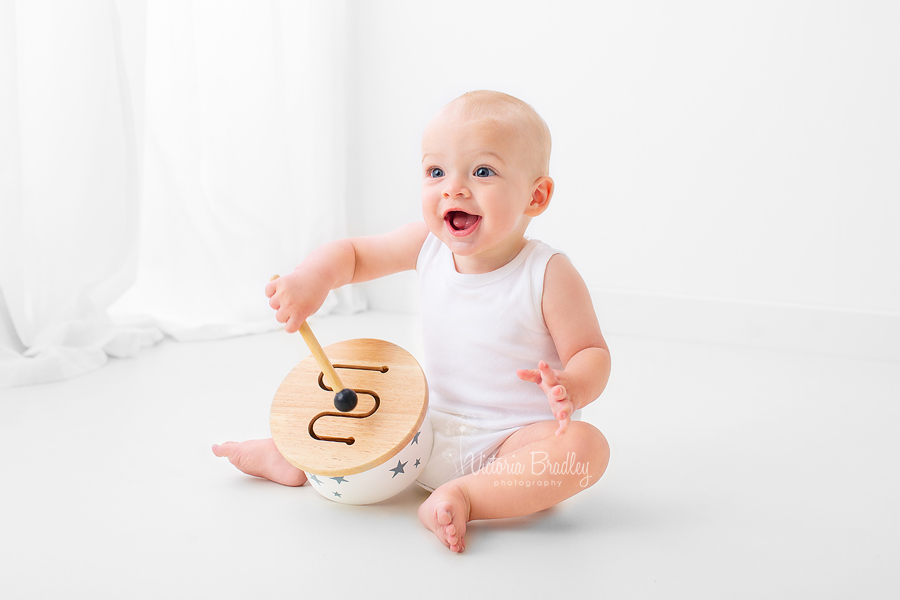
(461, 223)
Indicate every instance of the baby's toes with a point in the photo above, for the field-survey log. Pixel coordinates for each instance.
(224, 449)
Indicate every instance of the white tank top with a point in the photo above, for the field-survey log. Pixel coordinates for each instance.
(478, 329)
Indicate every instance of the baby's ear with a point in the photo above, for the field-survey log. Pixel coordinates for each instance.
(540, 196)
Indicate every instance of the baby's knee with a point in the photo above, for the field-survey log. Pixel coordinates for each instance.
(590, 448)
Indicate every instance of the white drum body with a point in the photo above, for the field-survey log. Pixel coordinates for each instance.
(383, 481)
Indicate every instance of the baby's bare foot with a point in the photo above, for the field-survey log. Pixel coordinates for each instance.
(446, 513)
(261, 458)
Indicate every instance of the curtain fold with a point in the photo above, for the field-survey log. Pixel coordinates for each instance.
(69, 191)
(158, 163)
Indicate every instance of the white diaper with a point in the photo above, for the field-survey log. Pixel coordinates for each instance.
(460, 448)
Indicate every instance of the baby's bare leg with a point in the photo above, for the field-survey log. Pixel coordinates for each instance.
(535, 469)
(261, 458)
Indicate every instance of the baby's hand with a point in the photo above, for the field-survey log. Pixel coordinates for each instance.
(294, 299)
(548, 380)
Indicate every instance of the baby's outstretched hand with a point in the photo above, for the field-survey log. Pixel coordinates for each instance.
(548, 380)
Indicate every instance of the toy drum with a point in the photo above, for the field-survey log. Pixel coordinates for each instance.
(368, 451)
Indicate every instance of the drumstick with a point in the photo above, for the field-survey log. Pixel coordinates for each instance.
(345, 399)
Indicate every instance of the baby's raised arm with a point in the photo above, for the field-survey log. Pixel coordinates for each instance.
(572, 322)
(299, 294)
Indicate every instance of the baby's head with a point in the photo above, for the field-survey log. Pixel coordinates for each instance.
(485, 162)
(513, 118)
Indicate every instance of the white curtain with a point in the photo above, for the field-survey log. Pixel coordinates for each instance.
(159, 161)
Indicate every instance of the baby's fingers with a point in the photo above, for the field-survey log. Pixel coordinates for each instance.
(548, 374)
(557, 393)
(293, 325)
(562, 408)
(532, 375)
(282, 314)
(272, 286)
(563, 411)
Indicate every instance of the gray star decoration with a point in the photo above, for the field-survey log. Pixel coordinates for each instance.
(398, 469)
(415, 439)
(314, 478)
(340, 480)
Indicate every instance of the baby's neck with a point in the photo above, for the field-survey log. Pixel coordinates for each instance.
(489, 261)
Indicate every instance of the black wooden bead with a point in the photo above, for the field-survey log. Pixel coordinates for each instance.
(345, 400)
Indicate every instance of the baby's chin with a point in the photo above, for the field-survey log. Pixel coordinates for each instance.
(468, 246)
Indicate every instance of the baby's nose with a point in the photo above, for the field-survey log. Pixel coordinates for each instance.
(455, 189)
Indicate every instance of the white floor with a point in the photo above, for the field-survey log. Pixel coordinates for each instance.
(735, 473)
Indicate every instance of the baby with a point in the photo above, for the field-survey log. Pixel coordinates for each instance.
(493, 302)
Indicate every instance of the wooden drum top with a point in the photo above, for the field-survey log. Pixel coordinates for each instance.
(393, 398)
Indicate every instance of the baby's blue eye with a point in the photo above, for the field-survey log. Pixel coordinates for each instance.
(435, 172)
(483, 172)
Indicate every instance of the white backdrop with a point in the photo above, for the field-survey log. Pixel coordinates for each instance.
(160, 161)
(728, 171)
(69, 190)
(243, 163)
(724, 171)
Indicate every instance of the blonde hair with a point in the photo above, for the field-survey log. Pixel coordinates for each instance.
(512, 112)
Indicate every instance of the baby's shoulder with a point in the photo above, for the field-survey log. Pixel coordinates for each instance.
(561, 277)
(544, 257)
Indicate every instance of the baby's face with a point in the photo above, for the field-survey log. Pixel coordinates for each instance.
(478, 180)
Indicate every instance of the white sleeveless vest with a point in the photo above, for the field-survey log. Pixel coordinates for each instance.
(478, 329)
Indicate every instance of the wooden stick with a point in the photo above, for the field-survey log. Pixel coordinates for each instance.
(318, 353)
(330, 374)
